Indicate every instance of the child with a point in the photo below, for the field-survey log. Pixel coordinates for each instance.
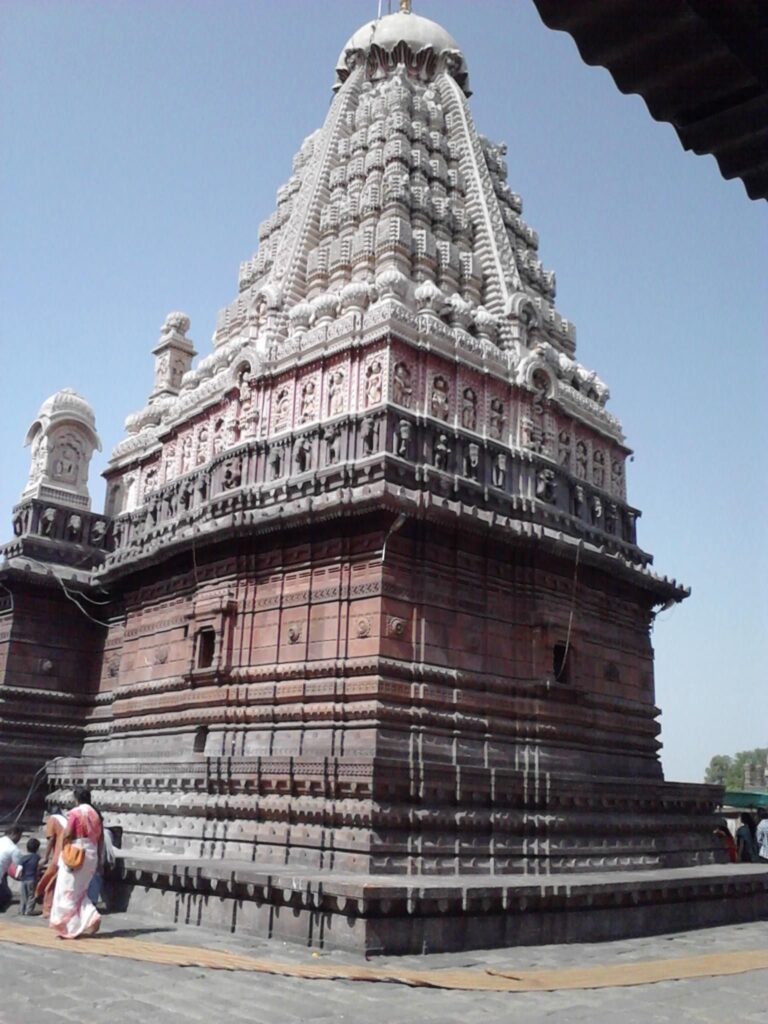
(26, 873)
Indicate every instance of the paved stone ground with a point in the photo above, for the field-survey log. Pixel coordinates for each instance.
(40, 986)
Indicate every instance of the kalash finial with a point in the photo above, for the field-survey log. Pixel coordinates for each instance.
(405, 6)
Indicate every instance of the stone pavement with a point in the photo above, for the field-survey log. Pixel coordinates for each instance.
(43, 986)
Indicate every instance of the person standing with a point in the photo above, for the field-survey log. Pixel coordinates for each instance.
(761, 834)
(54, 833)
(72, 912)
(746, 841)
(26, 873)
(9, 852)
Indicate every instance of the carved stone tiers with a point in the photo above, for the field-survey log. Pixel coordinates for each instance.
(367, 597)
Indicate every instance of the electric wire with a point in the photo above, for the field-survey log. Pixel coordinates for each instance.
(573, 606)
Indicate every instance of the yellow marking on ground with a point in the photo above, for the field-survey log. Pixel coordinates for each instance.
(647, 972)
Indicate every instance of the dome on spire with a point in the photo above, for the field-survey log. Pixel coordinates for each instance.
(416, 33)
(67, 404)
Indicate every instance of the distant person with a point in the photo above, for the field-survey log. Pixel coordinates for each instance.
(105, 862)
(26, 873)
(761, 834)
(72, 913)
(9, 852)
(746, 840)
(723, 833)
(54, 833)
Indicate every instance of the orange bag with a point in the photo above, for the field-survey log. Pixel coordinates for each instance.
(73, 856)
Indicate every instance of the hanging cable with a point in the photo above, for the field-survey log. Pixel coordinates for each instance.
(50, 571)
(573, 606)
(19, 809)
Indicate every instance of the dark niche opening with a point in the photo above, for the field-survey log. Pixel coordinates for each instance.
(561, 663)
(201, 738)
(611, 672)
(206, 647)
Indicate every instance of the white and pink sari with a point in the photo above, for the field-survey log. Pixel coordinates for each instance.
(72, 913)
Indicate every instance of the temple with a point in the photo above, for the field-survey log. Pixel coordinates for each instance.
(365, 619)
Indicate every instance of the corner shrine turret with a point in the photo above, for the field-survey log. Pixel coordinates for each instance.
(376, 605)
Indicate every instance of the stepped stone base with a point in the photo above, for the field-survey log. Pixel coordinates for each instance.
(380, 914)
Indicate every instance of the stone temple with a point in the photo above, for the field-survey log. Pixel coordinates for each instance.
(359, 651)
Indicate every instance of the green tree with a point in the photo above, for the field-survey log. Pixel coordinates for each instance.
(728, 770)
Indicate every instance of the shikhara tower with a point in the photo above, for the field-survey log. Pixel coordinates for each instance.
(377, 604)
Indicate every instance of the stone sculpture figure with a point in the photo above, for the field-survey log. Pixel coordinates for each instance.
(20, 521)
(472, 461)
(373, 384)
(577, 499)
(534, 437)
(403, 439)
(98, 532)
(564, 449)
(275, 463)
(581, 460)
(201, 455)
(441, 452)
(244, 384)
(303, 454)
(282, 409)
(66, 460)
(186, 453)
(74, 527)
(596, 510)
(542, 388)
(439, 404)
(48, 522)
(187, 495)
(232, 477)
(308, 408)
(469, 409)
(336, 393)
(332, 438)
(598, 468)
(611, 515)
(500, 469)
(370, 435)
(402, 391)
(546, 485)
(496, 419)
(40, 451)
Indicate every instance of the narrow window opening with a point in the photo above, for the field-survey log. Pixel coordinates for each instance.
(206, 647)
(561, 658)
(201, 738)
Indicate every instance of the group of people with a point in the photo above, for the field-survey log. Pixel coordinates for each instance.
(67, 878)
(752, 839)
(750, 845)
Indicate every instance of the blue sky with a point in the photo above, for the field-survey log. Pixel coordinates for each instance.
(144, 142)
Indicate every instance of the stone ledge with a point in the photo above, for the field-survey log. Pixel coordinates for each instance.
(385, 914)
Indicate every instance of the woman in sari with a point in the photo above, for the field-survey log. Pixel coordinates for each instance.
(72, 913)
(54, 833)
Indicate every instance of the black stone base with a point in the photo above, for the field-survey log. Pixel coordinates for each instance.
(385, 915)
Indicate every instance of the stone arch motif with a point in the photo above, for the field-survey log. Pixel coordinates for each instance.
(525, 316)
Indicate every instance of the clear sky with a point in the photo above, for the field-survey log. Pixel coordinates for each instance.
(143, 142)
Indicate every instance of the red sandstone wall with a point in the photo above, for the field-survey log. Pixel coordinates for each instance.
(320, 653)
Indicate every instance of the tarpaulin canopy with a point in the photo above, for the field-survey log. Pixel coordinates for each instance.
(743, 798)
